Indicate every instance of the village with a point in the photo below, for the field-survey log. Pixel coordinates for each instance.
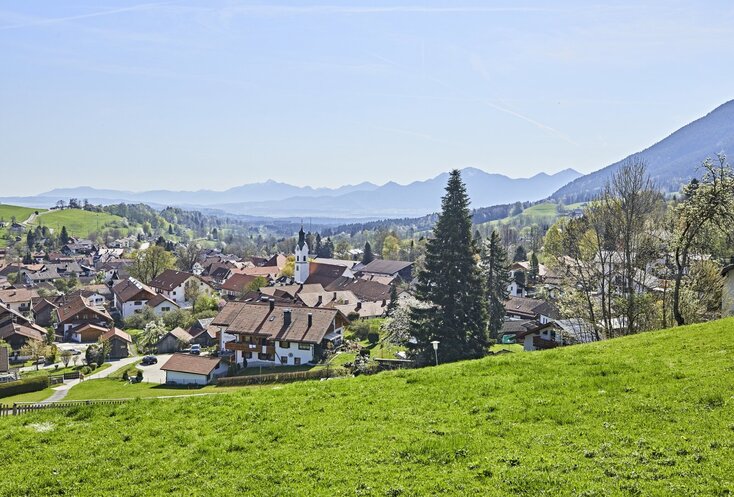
(77, 313)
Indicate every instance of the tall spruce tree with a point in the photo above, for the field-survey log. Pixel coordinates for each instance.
(534, 268)
(64, 236)
(450, 290)
(497, 276)
(368, 256)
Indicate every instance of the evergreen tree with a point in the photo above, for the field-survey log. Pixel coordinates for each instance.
(393, 303)
(318, 248)
(170, 229)
(368, 256)
(450, 289)
(534, 268)
(497, 275)
(520, 254)
(64, 237)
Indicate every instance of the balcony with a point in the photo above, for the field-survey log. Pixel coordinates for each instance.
(250, 347)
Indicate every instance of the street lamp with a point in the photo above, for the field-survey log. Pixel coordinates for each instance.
(435, 349)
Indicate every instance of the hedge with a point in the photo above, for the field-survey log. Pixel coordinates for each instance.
(25, 385)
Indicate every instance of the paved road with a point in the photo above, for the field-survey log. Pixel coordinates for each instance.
(62, 390)
(153, 373)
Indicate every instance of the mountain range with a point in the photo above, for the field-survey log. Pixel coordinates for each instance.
(671, 162)
(362, 201)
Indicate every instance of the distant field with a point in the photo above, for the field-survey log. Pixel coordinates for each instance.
(651, 414)
(78, 222)
(7, 212)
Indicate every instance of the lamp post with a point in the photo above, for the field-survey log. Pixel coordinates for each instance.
(435, 349)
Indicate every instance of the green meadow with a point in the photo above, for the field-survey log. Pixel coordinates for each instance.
(651, 414)
(79, 223)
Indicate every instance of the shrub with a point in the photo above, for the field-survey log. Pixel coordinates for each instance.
(85, 370)
(32, 384)
(139, 376)
(361, 330)
(353, 316)
(92, 366)
(125, 376)
(373, 337)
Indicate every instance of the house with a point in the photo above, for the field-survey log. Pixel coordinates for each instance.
(173, 341)
(270, 334)
(516, 289)
(130, 296)
(78, 247)
(174, 284)
(120, 343)
(527, 308)
(43, 312)
(187, 369)
(727, 294)
(237, 284)
(18, 299)
(539, 336)
(17, 334)
(202, 333)
(76, 313)
(87, 333)
(387, 271)
(577, 330)
(162, 304)
(323, 274)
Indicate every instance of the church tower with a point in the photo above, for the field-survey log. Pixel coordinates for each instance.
(301, 272)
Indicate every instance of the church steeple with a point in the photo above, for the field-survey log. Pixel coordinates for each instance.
(300, 274)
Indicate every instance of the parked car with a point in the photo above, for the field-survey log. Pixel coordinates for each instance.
(196, 349)
(148, 360)
(75, 351)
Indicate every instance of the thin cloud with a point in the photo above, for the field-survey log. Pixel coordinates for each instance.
(58, 20)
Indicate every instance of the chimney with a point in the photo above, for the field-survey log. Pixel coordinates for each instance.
(320, 301)
(384, 302)
(334, 296)
(359, 305)
(310, 319)
(272, 304)
(287, 317)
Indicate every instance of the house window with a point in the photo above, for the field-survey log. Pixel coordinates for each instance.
(304, 346)
(165, 309)
(262, 356)
(285, 345)
(284, 360)
(138, 302)
(297, 361)
(248, 355)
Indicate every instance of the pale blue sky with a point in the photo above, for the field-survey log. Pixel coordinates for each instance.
(210, 94)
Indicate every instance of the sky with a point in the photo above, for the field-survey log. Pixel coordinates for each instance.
(187, 95)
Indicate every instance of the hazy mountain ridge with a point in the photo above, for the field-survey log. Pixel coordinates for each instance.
(364, 200)
(672, 161)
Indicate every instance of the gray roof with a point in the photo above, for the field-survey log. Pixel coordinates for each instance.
(385, 267)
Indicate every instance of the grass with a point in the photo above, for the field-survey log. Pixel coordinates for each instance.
(651, 414)
(117, 389)
(79, 223)
(28, 397)
(7, 212)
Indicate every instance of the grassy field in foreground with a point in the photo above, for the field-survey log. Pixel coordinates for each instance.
(651, 414)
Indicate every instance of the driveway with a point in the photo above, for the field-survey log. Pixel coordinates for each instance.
(153, 373)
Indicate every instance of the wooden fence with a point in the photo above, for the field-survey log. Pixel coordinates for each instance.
(259, 379)
(24, 407)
